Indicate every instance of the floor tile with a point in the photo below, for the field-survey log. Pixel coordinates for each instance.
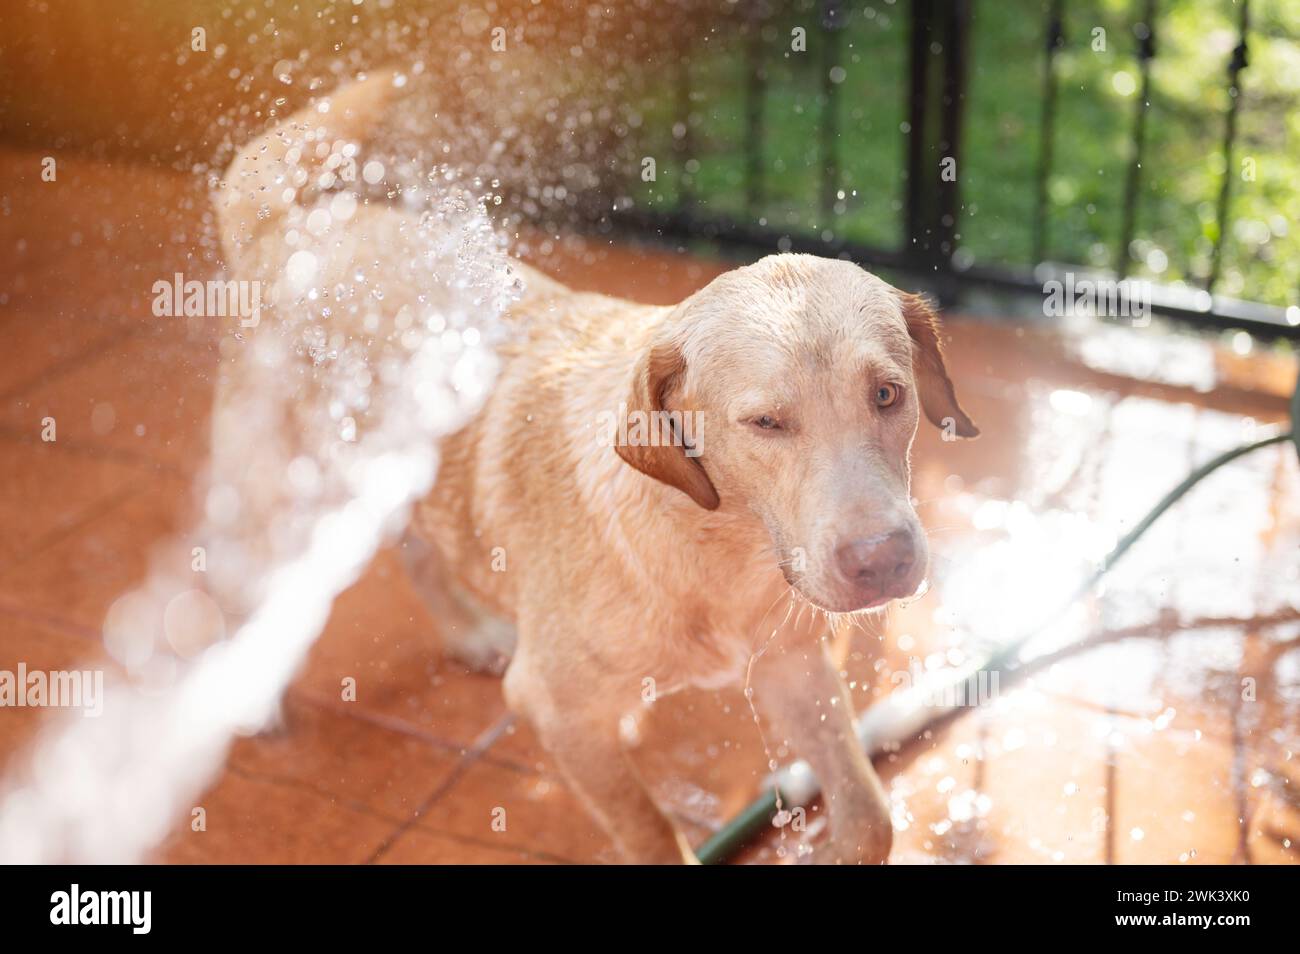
(145, 396)
(418, 846)
(350, 760)
(253, 821)
(1174, 799)
(535, 813)
(47, 490)
(79, 577)
(42, 345)
(381, 636)
(48, 649)
(1042, 790)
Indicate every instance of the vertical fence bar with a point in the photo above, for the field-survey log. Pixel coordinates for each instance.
(1055, 39)
(916, 235)
(1146, 34)
(940, 36)
(683, 145)
(956, 45)
(1235, 66)
(755, 97)
(831, 23)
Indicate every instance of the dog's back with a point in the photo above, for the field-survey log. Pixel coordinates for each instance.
(555, 374)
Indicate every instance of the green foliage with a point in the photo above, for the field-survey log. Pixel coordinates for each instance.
(1098, 92)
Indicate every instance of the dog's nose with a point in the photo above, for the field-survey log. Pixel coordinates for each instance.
(879, 561)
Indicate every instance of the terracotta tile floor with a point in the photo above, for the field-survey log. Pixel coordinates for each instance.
(1146, 750)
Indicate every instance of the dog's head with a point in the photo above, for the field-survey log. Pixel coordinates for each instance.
(794, 387)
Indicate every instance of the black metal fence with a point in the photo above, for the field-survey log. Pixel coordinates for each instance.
(936, 84)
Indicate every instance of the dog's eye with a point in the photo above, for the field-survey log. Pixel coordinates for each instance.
(887, 394)
(766, 422)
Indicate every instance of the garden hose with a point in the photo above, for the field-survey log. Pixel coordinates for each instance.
(904, 714)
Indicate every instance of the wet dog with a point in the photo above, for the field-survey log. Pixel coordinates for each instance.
(649, 493)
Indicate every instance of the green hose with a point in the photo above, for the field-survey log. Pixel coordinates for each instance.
(758, 815)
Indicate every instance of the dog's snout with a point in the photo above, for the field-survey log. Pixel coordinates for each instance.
(879, 561)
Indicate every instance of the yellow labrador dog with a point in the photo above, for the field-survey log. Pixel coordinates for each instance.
(650, 492)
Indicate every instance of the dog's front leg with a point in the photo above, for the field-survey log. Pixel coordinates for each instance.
(579, 726)
(800, 694)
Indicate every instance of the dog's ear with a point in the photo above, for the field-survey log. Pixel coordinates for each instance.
(938, 399)
(653, 378)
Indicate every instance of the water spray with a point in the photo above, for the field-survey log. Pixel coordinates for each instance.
(109, 789)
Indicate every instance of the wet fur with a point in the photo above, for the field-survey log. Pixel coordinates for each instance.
(626, 574)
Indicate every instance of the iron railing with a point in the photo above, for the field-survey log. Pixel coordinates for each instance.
(937, 88)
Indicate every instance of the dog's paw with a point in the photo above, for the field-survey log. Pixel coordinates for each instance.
(486, 647)
(836, 855)
(861, 843)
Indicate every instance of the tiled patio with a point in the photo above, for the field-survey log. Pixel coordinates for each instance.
(1144, 751)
